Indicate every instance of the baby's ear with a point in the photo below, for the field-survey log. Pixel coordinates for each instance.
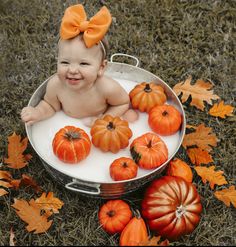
(102, 67)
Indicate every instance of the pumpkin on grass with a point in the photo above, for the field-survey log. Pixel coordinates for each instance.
(180, 168)
(71, 144)
(123, 168)
(110, 134)
(114, 215)
(171, 207)
(149, 151)
(164, 120)
(146, 95)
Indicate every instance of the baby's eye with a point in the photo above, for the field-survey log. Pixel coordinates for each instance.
(64, 62)
(84, 63)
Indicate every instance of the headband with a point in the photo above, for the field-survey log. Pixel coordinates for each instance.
(75, 22)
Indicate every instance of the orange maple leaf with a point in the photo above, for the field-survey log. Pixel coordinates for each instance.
(221, 110)
(49, 202)
(227, 196)
(32, 215)
(154, 241)
(199, 92)
(209, 174)
(16, 147)
(202, 138)
(3, 192)
(199, 156)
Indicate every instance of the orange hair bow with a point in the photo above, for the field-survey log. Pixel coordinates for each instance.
(75, 21)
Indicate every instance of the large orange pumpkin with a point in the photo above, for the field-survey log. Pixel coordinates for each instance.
(145, 96)
(123, 168)
(114, 215)
(135, 232)
(164, 120)
(71, 144)
(171, 207)
(110, 133)
(149, 151)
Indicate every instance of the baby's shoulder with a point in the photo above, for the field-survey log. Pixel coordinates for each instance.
(106, 83)
(53, 82)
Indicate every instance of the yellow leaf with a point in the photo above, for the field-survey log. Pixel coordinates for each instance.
(16, 147)
(31, 214)
(49, 202)
(200, 92)
(199, 156)
(202, 138)
(221, 110)
(209, 174)
(227, 196)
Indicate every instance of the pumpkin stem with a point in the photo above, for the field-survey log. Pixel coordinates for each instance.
(71, 135)
(181, 210)
(164, 113)
(147, 88)
(125, 165)
(111, 213)
(110, 126)
(149, 144)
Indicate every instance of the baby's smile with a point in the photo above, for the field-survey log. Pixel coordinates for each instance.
(73, 80)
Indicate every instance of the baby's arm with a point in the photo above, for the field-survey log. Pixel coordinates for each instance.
(46, 107)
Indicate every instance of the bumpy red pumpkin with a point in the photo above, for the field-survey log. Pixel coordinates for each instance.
(146, 95)
(171, 207)
(135, 232)
(114, 215)
(123, 168)
(149, 151)
(110, 134)
(71, 144)
(164, 120)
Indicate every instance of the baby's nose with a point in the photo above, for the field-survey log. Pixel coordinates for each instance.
(73, 69)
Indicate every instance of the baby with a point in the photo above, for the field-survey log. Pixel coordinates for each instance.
(79, 87)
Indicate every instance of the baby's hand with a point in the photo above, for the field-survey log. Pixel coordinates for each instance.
(89, 121)
(30, 115)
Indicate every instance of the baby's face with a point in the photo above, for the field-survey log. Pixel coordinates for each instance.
(78, 67)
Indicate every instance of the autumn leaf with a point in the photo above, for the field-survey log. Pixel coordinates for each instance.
(5, 175)
(200, 92)
(16, 159)
(221, 110)
(209, 174)
(31, 214)
(227, 196)
(29, 181)
(202, 138)
(154, 241)
(199, 156)
(49, 202)
(3, 192)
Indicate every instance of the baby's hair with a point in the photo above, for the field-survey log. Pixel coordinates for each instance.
(105, 48)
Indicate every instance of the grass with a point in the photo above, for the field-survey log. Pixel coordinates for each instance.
(172, 39)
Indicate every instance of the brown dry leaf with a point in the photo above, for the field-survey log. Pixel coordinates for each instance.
(49, 202)
(5, 184)
(154, 241)
(5, 175)
(29, 181)
(202, 138)
(16, 159)
(221, 110)
(209, 174)
(227, 196)
(31, 214)
(199, 156)
(200, 92)
(3, 192)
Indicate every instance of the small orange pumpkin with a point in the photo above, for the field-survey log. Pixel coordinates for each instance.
(123, 168)
(149, 151)
(114, 215)
(145, 96)
(179, 168)
(164, 120)
(134, 233)
(110, 134)
(71, 144)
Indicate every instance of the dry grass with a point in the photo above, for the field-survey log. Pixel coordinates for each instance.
(172, 39)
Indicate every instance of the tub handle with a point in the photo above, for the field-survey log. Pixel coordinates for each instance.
(125, 55)
(83, 187)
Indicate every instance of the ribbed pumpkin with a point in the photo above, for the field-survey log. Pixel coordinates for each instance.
(71, 144)
(135, 232)
(149, 151)
(123, 168)
(145, 96)
(114, 215)
(110, 134)
(164, 120)
(171, 207)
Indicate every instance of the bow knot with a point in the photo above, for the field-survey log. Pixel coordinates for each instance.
(75, 22)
